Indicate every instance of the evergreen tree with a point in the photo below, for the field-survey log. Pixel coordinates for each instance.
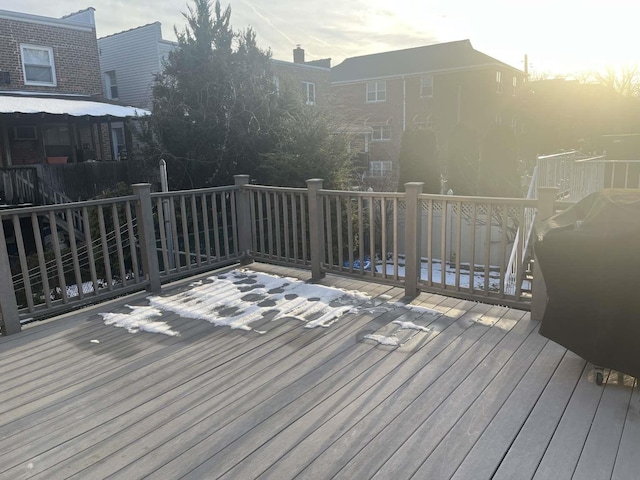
(309, 143)
(215, 102)
(217, 112)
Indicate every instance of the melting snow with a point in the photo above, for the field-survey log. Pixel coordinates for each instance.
(240, 298)
(410, 326)
(139, 319)
(382, 340)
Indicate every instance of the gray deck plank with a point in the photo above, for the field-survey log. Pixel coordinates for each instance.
(255, 346)
(599, 453)
(81, 385)
(384, 429)
(467, 398)
(221, 412)
(413, 420)
(318, 408)
(309, 436)
(627, 459)
(494, 369)
(129, 397)
(487, 429)
(561, 457)
(196, 440)
(523, 456)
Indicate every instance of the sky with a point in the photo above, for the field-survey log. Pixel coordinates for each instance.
(560, 37)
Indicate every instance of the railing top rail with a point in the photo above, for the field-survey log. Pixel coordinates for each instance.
(65, 206)
(355, 193)
(267, 188)
(469, 199)
(195, 191)
(603, 159)
(561, 155)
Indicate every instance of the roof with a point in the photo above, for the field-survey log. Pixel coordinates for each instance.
(82, 20)
(459, 55)
(66, 106)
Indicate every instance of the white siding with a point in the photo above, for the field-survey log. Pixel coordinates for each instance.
(135, 57)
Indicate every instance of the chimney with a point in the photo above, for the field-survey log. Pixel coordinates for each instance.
(298, 54)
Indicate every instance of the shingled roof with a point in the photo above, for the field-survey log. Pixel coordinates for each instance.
(411, 61)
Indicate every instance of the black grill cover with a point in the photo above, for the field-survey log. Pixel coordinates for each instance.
(589, 256)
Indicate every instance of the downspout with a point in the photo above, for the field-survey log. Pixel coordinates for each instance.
(404, 103)
(459, 102)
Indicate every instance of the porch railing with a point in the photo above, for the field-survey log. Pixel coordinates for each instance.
(458, 246)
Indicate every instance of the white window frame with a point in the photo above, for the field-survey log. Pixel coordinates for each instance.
(498, 82)
(515, 85)
(376, 91)
(309, 92)
(426, 86)
(380, 133)
(115, 128)
(49, 50)
(380, 168)
(110, 85)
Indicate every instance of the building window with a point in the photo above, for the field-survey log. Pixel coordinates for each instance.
(111, 83)
(37, 65)
(380, 133)
(380, 168)
(515, 85)
(499, 119)
(376, 92)
(423, 121)
(118, 142)
(499, 82)
(26, 132)
(426, 86)
(309, 93)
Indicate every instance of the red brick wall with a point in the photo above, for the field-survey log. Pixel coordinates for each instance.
(479, 105)
(75, 55)
(296, 74)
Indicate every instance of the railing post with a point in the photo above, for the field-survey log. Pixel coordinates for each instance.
(10, 318)
(412, 240)
(316, 228)
(243, 212)
(546, 200)
(146, 235)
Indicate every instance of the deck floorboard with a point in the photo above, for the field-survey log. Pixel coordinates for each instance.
(472, 392)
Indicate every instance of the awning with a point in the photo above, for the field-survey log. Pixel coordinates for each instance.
(58, 106)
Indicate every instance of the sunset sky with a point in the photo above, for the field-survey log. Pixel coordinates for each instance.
(559, 36)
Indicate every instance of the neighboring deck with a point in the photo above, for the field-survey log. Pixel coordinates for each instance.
(479, 395)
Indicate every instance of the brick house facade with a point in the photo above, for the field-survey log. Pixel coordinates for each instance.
(52, 110)
(72, 42)
(312, 78)
(435, 87)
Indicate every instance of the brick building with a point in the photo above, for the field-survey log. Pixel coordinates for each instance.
(51, 106)
(313, 78)
(436, 86)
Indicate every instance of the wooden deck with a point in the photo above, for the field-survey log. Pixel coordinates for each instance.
(478, 395)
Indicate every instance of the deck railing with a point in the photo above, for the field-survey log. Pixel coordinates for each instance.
(458, 246)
